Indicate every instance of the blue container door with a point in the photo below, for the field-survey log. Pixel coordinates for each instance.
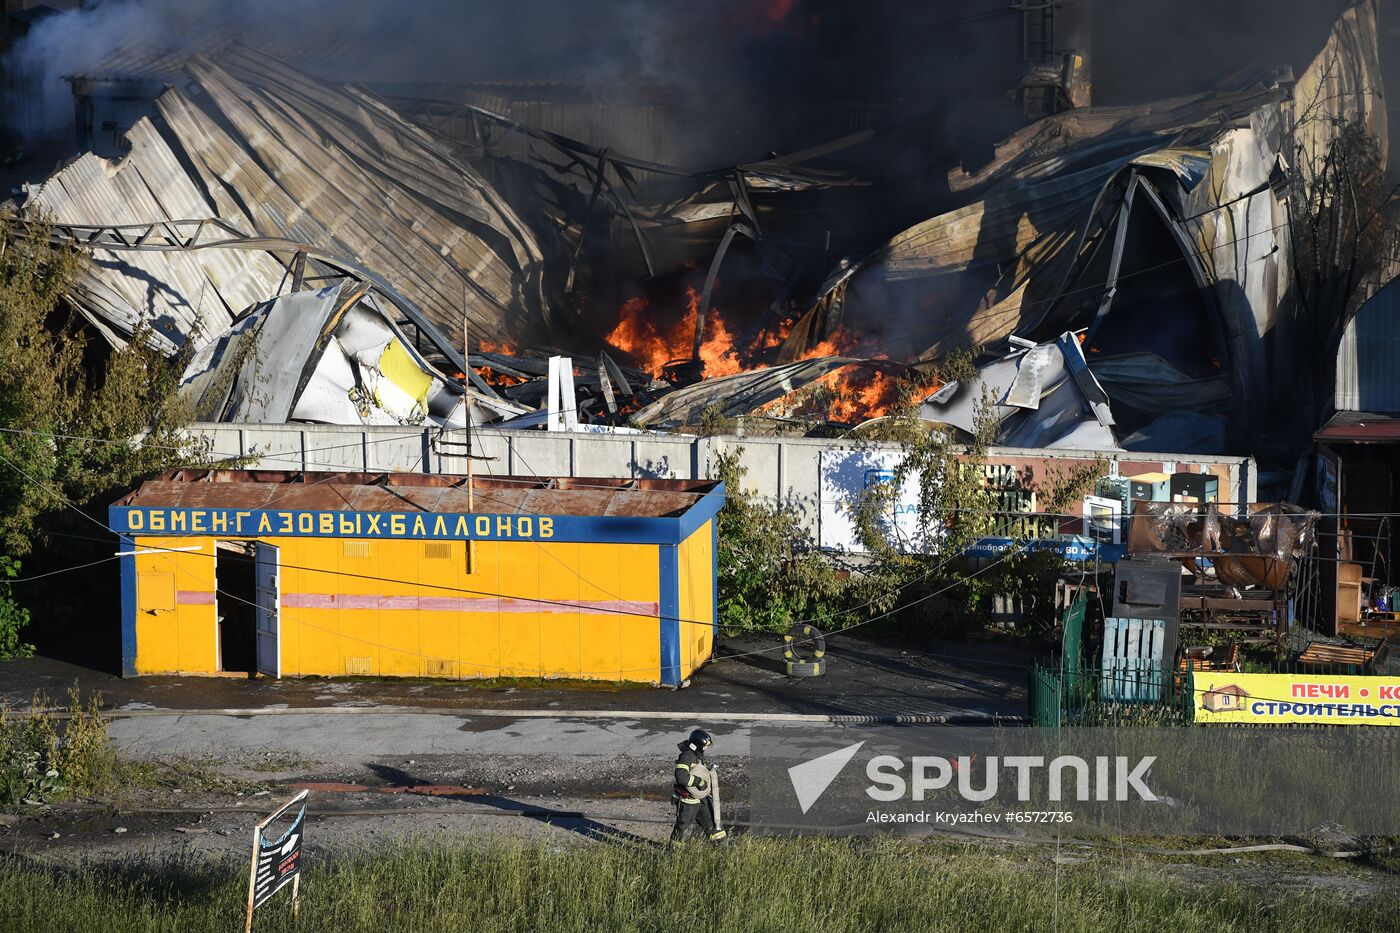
(266, 560)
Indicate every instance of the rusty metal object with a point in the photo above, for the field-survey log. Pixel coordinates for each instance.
(1260, 550)
(406, 492)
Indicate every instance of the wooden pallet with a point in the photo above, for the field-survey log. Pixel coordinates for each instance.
(1320, 654)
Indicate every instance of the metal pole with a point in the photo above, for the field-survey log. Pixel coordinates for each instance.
(253, 878)
(467, 414)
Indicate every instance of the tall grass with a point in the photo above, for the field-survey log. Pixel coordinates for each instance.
(811, 884)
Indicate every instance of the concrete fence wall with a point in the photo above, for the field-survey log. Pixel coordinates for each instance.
(778, 469)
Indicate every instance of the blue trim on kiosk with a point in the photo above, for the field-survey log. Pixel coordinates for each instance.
(714, 583)
(702, 511)
(128, 602)
(415, 526)
(669, 565)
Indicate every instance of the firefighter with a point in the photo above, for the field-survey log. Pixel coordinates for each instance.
(692, 788)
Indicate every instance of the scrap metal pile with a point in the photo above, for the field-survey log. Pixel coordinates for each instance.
(1258, 551)
(1120, 275)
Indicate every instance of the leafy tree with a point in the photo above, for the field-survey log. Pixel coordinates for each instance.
(38, 365)
(1344, 243)
(770, 573)
(78, 424)
(72, 427)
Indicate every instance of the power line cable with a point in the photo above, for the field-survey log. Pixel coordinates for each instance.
(962, 659)
(53, 573)
(66, 502)
(845, 612)
(215, 588)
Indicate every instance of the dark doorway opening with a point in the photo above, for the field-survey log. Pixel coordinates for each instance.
(235, 605)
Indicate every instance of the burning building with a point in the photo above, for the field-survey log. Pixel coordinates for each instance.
(1121, 277)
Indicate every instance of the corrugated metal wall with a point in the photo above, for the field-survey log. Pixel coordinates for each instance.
(1368, 359)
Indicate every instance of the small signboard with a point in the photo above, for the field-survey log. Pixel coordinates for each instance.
(276, 862)
(1297, 699)
(845, 476)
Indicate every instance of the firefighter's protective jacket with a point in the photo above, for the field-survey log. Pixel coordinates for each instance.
(689, 782)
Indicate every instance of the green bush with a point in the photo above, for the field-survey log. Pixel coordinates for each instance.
(40, 761)
(28, 756)
(13, 617)
(770, 573)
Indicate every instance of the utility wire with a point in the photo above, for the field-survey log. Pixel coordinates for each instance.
(215, 588)
(917, 601)
(946, 657)
(52, 573)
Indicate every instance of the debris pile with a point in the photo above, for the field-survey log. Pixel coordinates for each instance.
(1120, 275)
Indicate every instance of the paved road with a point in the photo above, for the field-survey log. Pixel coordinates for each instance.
(460, 759)
(537, 740)
(864, 678)
(336, 737)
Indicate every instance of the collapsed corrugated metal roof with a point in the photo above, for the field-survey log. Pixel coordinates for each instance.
(979, 274)
(1157, 233)
(1050, 395)
(741, 393)
(1368, 379)
(633, 217)
(180, 295)
(277, 154)
(1160, 229)
(1042, 396)
(319, 357)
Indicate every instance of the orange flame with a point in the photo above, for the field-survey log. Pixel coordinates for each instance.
(851, 395)
(717, 350)
(848, 395)
(838, 344)
(636, 334)
(489, 375)
(655, 342)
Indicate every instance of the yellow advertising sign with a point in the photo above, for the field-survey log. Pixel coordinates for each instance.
(1297, 699)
